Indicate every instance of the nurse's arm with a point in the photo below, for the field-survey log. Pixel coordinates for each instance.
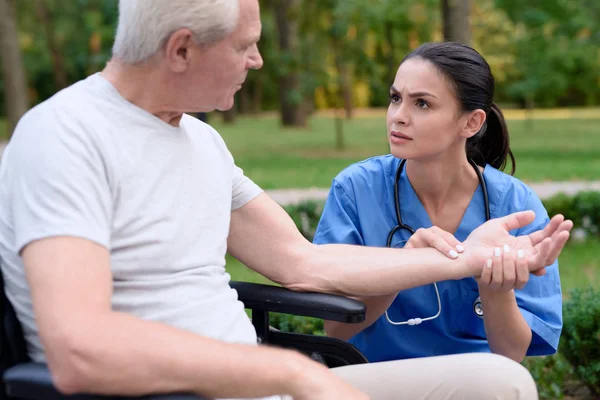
(507, 331)
(264, 237)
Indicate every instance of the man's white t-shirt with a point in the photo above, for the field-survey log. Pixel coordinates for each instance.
(87, 163)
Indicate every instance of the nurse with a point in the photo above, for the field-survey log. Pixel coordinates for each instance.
(449, 145)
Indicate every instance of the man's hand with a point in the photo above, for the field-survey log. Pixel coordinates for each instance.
(539, 249)
(437, 238)
(318, 383)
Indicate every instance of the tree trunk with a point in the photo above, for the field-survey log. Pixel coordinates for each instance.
(257, 95)
(455, 14)
(290, 96)
(229, 115)
(58, 60)
(15, 85)
(392, 62)
(346, 87)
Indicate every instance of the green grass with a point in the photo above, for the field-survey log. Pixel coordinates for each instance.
(3, 130)
(579, 267)
(276, 157)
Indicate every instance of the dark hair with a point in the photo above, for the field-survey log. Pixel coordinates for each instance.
(473, 83)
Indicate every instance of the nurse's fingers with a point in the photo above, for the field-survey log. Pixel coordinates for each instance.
(437, 238)
(522, 271)
(497, 269)
(486, 273)
(509, 268)
(454, 243)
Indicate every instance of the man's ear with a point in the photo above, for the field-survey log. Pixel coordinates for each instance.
(473, 123)
(178, 50)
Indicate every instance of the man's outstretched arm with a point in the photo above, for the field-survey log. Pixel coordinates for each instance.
(266, 239)
(92, 349)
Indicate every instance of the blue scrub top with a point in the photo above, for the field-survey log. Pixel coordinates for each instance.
(360, 210)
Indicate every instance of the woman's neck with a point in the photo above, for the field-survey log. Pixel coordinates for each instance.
(444, 185)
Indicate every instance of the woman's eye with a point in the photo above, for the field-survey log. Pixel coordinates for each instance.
(422, 103)
(394, 98)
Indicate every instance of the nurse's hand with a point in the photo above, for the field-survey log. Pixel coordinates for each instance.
(505, 271)
(540, 248)
(437, 238)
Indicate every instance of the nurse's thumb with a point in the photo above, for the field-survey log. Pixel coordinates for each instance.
(517, 220)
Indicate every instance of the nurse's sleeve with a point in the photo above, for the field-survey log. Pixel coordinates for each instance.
(540, 301)
(339, 221)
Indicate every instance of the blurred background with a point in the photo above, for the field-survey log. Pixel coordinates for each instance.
(319, 104)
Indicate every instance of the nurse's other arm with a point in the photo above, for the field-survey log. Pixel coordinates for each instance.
(507, 331)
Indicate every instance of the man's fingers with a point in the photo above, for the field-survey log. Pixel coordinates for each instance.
(539, 272)
(537, 236)
(517, 220)
(539, 259)
(558, 243)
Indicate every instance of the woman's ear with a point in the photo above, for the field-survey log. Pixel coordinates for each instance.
(474, 122)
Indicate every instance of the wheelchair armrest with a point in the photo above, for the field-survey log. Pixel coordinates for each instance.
(33, 381)
(331, 307)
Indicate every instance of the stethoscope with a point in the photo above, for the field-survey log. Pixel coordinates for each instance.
(477, 308)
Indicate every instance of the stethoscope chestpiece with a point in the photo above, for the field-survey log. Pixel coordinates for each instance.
(477, 308)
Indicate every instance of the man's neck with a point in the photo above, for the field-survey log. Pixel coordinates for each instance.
(142, 86)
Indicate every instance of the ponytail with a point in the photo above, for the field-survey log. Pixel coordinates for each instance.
(491, 145)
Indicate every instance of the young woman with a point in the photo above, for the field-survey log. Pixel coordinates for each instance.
(448, 143)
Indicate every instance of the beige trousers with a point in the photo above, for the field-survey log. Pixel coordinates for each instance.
(477, 376)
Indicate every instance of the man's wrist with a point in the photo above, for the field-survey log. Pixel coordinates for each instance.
(300, 374)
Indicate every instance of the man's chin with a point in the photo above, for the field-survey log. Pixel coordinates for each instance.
(226, 106)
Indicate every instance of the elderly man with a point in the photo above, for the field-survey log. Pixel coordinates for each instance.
(118, 209)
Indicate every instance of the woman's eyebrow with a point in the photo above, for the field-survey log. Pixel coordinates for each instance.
(413, 94)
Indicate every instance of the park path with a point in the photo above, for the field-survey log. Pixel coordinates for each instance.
(542, 189)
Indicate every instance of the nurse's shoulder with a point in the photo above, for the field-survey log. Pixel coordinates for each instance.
(367, 174)
(508, 194)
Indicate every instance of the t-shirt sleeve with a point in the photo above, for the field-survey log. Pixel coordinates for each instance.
(339, 221)
(57, 181)
(540, 301)
(243, 189)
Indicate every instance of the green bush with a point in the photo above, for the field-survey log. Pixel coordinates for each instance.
(580, 339)
(306, 216)
(550, 374)
(297, 324)
(583, 209)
